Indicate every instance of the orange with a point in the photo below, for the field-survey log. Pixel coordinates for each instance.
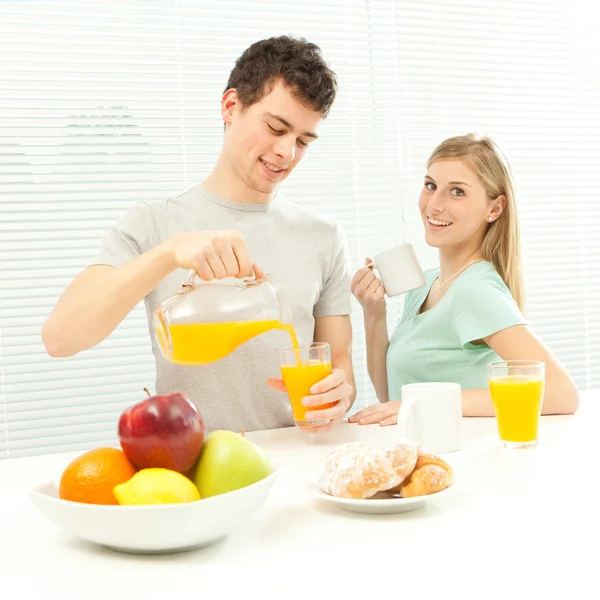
(91, 477)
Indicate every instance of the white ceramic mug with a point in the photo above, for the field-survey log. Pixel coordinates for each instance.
(399, 270)
(431, 416)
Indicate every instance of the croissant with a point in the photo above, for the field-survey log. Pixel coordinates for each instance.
(431, 474)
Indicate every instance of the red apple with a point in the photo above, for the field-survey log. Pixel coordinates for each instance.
(162, 431)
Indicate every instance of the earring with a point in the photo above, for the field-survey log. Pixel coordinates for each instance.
(490, 219)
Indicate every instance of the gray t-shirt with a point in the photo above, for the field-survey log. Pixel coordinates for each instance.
(305, 252)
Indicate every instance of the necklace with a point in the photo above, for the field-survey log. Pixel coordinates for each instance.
(441, 285)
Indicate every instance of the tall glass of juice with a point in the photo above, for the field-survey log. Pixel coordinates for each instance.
(517, 391)
(301, 368)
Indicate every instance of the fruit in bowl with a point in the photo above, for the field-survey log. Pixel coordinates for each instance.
(163, 431)
(160, 509)
(229, 462)
(156, 486)
(92, 477)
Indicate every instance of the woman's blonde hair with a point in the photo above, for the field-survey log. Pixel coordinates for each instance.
(501, 244)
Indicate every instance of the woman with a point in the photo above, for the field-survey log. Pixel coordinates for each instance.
(469, 312)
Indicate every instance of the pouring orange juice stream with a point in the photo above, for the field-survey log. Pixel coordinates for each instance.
(224, 338)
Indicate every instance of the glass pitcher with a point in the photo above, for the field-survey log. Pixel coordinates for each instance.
(205, 321)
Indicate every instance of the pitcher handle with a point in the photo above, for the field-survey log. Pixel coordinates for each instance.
(192, 274)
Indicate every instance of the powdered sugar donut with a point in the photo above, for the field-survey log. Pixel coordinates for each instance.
(356, 470)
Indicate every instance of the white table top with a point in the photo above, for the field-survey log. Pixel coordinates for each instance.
(516, 524)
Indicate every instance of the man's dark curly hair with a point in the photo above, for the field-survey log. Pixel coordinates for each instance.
(296, 62)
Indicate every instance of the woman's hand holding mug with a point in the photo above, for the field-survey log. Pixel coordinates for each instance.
(400, 272)
(368, 290)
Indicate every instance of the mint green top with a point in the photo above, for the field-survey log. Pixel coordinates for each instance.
(436, 345)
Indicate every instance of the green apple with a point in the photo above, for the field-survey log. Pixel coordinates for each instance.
(228, 462)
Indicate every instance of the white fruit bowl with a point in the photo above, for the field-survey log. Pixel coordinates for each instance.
(154, 529)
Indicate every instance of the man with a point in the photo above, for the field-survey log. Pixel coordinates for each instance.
(278, 93)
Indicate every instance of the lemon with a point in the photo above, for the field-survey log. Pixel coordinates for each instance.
(156, 486)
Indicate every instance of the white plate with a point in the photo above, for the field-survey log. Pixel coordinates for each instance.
(383, 503)
(154, 529)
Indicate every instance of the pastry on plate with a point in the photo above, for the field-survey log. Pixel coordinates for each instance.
(356, 470)
(430, 475)
(403, 458)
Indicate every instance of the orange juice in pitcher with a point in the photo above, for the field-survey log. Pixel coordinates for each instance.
(205, 322)
(203, 343)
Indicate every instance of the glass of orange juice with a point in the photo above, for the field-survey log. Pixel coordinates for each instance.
(517, 391)
(301, 368)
